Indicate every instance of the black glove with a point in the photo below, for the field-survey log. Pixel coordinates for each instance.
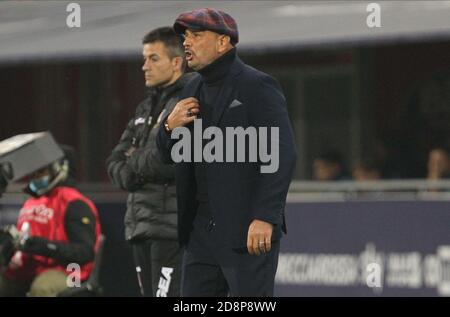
(39, 246)
(21, 241)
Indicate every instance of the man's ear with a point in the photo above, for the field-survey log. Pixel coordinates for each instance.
(177, 62)
(224, 42)
(226, 39)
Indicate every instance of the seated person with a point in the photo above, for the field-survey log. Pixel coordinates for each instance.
(329, 166)
(366, 169)
(56, 226)
(438, 166)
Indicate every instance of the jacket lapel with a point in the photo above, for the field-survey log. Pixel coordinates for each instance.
(227, 90)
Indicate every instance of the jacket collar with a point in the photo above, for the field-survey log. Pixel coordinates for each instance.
(219, 69)
(164, 92)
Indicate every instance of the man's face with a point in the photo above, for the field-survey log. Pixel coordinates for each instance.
(159, 69)
(201, 48)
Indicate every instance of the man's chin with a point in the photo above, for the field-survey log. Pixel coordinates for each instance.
(193, 65)
(149, 84)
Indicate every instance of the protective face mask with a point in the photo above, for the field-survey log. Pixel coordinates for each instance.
(39, 183)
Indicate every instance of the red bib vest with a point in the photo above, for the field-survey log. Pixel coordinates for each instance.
(45, 216)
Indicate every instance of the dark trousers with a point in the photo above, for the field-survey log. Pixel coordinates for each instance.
(213, 269)
(158, 268)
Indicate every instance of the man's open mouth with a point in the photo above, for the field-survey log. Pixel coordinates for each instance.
(188, 55)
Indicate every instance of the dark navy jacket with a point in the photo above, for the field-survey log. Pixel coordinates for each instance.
(238, 192)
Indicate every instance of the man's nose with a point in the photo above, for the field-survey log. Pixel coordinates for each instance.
(186, 43)
(145, 66)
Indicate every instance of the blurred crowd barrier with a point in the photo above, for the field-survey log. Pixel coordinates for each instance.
(383, 238)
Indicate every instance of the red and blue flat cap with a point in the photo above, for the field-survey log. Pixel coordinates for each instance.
(208, 19)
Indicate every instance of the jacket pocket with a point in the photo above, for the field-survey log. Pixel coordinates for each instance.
(235, 117)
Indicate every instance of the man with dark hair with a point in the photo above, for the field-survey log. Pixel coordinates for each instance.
(136, 166)
(231, 215)
(329, 166)
(171, 43)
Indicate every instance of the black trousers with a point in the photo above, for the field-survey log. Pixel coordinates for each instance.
(158, 268)
(213, 269)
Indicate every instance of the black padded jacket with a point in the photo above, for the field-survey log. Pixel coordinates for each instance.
(136, 166)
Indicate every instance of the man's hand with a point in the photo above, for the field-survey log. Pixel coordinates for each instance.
(259, 238)
(130, 151)
(185, 111)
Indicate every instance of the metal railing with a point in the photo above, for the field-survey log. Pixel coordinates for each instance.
(385, 190)
(411, 189)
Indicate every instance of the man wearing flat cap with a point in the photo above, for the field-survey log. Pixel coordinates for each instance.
(230, 214)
